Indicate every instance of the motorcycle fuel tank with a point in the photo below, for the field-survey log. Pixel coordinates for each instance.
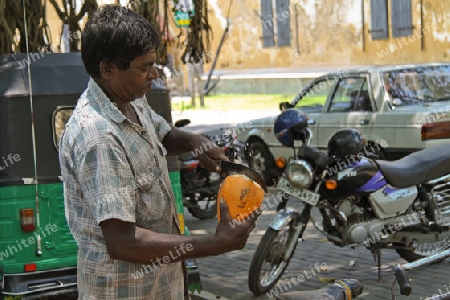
(352, 178)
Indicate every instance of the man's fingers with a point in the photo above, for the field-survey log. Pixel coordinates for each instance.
(224, 210)
(209, 164)
(223, 157)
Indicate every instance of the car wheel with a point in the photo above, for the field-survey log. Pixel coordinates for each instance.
(260, 159)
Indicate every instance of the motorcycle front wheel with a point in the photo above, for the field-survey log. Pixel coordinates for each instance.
(268, 265)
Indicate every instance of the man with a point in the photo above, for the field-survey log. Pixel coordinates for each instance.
(119, 203)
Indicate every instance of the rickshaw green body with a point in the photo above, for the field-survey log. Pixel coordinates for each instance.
(59, 247)
(57, 82)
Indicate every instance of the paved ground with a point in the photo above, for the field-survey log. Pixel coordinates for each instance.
(226, 275)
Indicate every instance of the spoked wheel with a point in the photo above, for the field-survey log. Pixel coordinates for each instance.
(423, 250)
(268, 264)
(259, 159)
(202, 202)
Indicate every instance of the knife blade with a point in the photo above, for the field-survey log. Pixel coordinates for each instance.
(228, 167)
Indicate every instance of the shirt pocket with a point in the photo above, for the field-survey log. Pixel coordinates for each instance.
(146, 181)
(152, 202)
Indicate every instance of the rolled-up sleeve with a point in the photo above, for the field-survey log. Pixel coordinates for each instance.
(107, 183)
(162, 128)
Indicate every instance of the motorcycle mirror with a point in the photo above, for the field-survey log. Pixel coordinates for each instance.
(284, 105)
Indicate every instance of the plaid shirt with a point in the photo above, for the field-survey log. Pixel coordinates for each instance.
(113, 168)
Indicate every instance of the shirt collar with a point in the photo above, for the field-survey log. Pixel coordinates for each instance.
(107, 106)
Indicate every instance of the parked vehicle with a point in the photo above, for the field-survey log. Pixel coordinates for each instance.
(402, 205)
(200, 186)
(38, 252)
(403, 108)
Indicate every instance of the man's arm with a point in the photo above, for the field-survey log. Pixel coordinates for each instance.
(125, 241)
(179, 141)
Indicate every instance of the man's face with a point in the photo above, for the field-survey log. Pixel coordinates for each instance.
(136, 81)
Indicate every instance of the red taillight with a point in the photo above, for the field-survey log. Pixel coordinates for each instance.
(436, 131)
(29, 267)
(27, 220)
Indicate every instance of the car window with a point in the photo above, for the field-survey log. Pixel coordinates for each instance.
(60, 117)
(317, 94)
(352, 94)
(417, 85)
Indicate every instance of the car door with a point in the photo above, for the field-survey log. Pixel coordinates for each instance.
(313, 103)
(350, 106)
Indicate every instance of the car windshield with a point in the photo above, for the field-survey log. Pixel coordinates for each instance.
(418, 85)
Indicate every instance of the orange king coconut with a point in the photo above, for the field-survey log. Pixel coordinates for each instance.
(241, 194)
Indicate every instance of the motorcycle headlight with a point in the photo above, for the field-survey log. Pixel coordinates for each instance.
(300, 173)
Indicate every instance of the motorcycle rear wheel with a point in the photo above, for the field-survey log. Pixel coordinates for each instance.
(205, 207)
(201, 199)
(269, 253)
(423, 250)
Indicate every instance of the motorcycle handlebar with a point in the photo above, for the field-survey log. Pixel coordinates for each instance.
(403, 280)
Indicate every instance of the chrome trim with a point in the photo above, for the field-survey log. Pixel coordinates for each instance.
(440, 179)
(307, 167)
(283, 217)
(427, 260)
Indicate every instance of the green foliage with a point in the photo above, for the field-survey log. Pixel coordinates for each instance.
(234, 101)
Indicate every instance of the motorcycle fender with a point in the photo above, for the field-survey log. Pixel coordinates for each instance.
(256, 132)
(283, 217)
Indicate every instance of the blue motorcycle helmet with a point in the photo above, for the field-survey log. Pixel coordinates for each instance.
(289, 126)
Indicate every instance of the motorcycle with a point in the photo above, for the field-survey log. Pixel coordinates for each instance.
(402, 205)
(200, 186)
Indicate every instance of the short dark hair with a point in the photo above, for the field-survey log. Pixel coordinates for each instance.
(116, 34)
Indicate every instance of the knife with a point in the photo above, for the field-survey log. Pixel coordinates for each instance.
(228, 168)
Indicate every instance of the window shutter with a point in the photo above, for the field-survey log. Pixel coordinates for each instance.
(379, 19)
(401, 18)
(284, 23)
(267, 23)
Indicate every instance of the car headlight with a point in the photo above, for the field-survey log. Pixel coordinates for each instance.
(300, 173)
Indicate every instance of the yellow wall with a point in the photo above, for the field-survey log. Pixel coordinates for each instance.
(330, 32)
(54, 23)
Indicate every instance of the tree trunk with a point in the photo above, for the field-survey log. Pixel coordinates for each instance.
(69, 16)
(11, 18)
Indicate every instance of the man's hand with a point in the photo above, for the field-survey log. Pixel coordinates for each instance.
(208, 159)
(179, 141)
(233, 234)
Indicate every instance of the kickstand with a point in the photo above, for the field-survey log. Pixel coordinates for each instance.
(377, 257)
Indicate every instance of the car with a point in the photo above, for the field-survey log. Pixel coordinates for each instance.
(400, 109)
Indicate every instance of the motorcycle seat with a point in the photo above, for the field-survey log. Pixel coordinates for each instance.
(418, 167)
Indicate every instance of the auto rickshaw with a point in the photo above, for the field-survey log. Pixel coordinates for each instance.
(38, 255)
